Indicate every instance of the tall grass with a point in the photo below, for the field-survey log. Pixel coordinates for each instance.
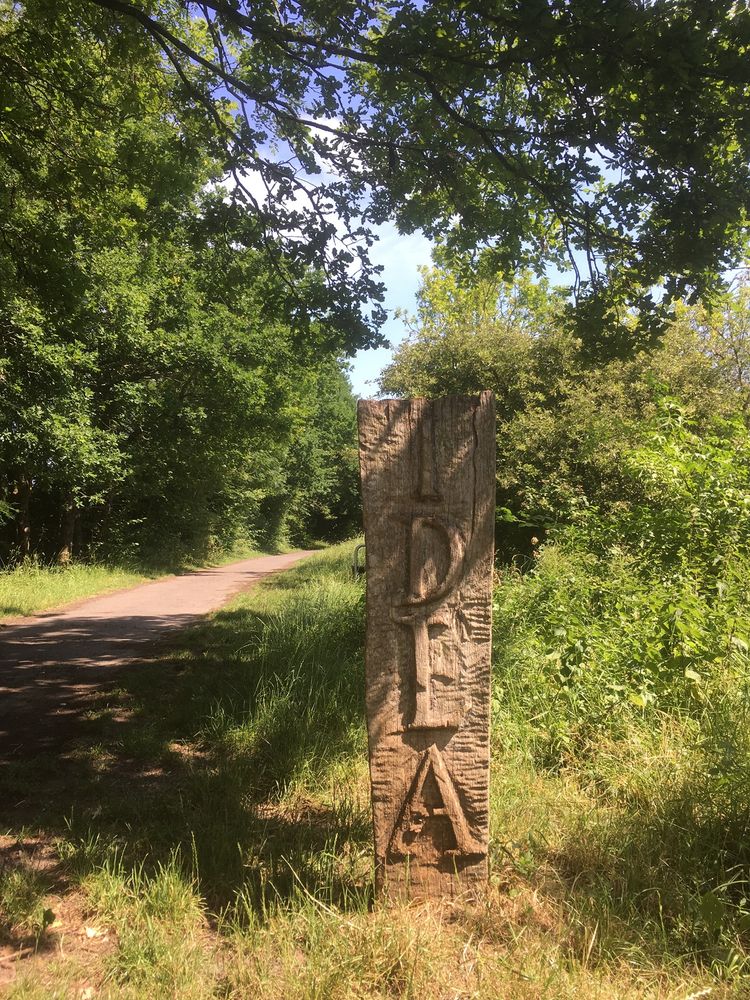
(220, 828)
(657, 839)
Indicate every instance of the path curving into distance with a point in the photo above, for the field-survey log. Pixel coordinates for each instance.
(53, 663)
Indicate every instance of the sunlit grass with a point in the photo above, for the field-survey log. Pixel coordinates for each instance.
(31, 587)
(221, 833)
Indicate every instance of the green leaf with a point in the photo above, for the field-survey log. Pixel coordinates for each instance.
(712, 911)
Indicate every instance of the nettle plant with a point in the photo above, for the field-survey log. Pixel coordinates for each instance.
(689, 538)
(692, 536)
(695, 511)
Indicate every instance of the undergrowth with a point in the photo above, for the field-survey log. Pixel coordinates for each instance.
(220, 827)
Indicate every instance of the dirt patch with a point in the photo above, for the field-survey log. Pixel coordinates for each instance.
(55, 925)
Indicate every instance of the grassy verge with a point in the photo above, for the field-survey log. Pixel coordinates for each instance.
(215, 840)
(33, 587)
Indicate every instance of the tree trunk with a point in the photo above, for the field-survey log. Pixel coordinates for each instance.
(23, 492)
(67, 531)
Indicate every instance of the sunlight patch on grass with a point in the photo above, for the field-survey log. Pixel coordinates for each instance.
(33, 587)
(22, 908)
(159, 924)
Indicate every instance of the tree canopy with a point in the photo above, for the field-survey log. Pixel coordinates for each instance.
(189, 193)
(610, 138)
(156, 371)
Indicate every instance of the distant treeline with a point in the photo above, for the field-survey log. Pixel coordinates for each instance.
(169, 382)
(170, 370)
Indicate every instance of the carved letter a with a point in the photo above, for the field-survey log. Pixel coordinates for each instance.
(432, 801)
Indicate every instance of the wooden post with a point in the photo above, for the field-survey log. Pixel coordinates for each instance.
(428, 492)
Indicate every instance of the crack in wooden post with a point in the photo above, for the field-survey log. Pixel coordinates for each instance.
(428, 489)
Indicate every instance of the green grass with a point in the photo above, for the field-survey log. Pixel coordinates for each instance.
(22, 909)
(30, 588)
(219, 829)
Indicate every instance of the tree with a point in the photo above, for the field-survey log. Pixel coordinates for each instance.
(88, 97)
(565, 424)
(612, 137)
(324, 460)
(724, 332)
(150, 354)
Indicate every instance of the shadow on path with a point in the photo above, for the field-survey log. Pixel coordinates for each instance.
(54, 666)
(183, 753)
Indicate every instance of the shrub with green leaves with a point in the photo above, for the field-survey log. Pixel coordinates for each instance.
(646, 604)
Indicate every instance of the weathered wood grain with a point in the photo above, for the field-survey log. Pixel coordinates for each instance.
(428, 491)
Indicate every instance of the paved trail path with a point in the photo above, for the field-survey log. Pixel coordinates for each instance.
(52, 664)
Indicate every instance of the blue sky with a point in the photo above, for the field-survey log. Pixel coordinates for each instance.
(400, 256)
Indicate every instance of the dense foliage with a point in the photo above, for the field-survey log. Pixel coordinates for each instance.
(613, 136)
(185, 205)
(162, 388)
(646, 603)
(567, 422)
(622, 664)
